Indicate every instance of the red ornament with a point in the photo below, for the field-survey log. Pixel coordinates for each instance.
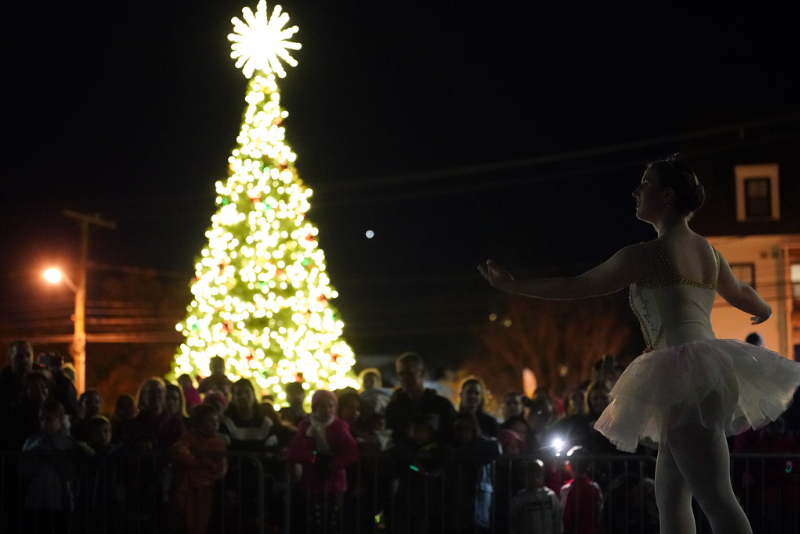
(298, 377)
(279, 272)
(309, 237)
(334, 357)
(222, 267)
(277, 120)
(227, 327)
(251, 355)
(322, 298)
(255, 198)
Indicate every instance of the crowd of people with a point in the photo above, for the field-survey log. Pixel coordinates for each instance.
(179, 458)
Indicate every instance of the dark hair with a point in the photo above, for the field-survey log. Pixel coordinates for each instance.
(677, 175)
(88, 392)
(294, 387)
(18, 345)
(37, 377)
(579, 460)
(53, 408)
(96, 422)
(754, 338)
(347, 395)
(411, 358)
(202, 411)
(424, 419)
(472, 420)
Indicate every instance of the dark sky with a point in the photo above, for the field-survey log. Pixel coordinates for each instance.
(409, 119)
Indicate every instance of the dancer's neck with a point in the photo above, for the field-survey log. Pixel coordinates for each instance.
(671, 223)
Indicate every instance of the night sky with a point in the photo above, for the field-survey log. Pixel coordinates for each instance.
(431, 124)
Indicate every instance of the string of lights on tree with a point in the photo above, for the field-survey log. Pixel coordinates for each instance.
(261, 292)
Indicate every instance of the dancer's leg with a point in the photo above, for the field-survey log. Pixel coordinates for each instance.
(702, 456)
(672, 495)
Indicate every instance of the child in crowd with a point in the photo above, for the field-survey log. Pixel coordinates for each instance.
(99, 494)
(374, 436)
(89, 405)
(49, 469)
(324, 447)
(374, 397)
(295, 395)
(581, 498)
(124, 411)
(195, 474)
(510, 477)
(470, 487)
(349, 409)
(535, 509)
(420, 462)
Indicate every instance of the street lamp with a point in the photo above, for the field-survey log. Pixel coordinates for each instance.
(78, 348)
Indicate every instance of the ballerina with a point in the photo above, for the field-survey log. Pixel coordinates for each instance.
(688, 390)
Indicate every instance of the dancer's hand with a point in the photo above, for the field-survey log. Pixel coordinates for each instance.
(497, 276)
(763, 316)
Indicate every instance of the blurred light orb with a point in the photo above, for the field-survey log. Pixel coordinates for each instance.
(52, 275)
(370, 234)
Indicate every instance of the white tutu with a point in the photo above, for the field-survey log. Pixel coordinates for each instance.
(667, 388)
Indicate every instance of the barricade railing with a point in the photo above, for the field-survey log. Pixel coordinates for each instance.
(387, 493)
(136, 493)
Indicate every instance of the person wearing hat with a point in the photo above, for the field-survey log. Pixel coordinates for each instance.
(323, 447)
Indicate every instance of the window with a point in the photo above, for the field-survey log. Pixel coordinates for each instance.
(794, 274)
(746, 272)
(757, 198)
(757, 192)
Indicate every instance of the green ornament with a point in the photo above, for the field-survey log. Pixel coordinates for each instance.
(306, 262)
(224, 201)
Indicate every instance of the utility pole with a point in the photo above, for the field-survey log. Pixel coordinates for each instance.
(78, 349)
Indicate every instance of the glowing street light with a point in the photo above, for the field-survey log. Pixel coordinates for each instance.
(52, 275)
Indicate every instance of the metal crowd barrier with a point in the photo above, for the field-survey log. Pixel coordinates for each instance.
(387, 493)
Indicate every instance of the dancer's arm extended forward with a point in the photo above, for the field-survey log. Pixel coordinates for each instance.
(620, 271)
(740, 295)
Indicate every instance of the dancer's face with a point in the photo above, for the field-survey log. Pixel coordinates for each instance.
(649, 197)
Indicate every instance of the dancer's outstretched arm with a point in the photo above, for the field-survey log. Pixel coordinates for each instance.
(740, 295)
(621, 270)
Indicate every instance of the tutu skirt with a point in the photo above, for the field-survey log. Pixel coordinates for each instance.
(719, 383)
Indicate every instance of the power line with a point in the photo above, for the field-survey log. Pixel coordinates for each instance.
(483, 168)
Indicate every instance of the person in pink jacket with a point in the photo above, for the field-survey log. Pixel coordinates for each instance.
(324, 447)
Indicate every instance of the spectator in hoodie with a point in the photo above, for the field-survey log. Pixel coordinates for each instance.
(413, 398)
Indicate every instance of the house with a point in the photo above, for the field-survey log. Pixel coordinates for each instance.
(752, 216)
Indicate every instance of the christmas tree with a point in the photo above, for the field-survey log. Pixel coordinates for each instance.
(261, 294)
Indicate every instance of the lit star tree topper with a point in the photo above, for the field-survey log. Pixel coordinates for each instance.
(261, 291)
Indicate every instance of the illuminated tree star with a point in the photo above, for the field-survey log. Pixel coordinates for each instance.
(259, 42)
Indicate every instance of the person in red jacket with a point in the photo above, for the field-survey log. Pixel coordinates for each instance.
(581, 498)
(324, 447)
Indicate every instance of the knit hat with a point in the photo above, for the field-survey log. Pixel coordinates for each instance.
(323, 394)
